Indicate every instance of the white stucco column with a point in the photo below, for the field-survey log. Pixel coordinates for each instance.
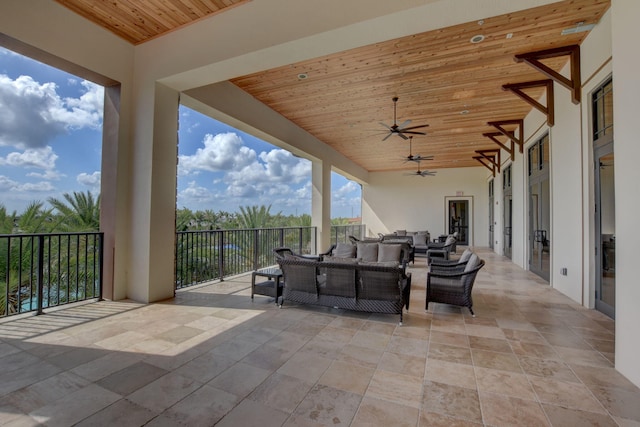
(321, 202)
(626, 92)
(153, 176)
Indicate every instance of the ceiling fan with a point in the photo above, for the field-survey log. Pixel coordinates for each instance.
(401, 130)
(417, 157)
(421, 173)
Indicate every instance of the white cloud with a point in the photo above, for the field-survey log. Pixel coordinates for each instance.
(49, 175)
(90, 180)
(42, 186)
(32, 114)
(271, 181)
(40, 158)
(7, 184)
(343, 191)
(223, 152)
(195, 194)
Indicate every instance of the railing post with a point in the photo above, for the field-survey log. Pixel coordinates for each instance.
(40, 273)
(101, 259)
(221, 254)
(255, 248)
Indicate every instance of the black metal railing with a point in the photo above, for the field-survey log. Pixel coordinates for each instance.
(207, 255)
(341, 233)
(38, 271)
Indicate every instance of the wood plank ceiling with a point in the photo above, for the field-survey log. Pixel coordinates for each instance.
(138, 21)
(440, 78)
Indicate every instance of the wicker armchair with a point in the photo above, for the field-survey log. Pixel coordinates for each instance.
(281, 253)
(452, 265)
(454, 287)
(441, 251)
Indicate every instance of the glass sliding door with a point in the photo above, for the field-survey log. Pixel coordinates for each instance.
(491, 221)
(539, 209)
(606, 230)
(605, 198)
(459, 220)
(508, 212)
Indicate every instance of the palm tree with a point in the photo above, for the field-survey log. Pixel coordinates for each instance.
(7, 221)
(184, 217)
(82, 213)
(255, 217)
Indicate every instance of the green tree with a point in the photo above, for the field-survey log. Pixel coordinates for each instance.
(184, 217)
(81, 212)
(255, 216)
(303, 220)
(7, 221)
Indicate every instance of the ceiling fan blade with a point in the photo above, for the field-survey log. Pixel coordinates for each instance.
(406, 122)
(412, 132)
(415, 127)
(418, 158)
(388, 135)
(386, 126)
(401, 135)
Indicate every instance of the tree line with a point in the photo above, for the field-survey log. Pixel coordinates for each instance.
(80, 211)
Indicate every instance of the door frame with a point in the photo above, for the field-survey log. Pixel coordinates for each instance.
(468, 199)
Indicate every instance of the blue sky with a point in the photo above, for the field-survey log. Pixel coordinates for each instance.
(51, 136)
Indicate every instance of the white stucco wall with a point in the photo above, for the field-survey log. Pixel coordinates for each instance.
(393, 201)
(626, 93)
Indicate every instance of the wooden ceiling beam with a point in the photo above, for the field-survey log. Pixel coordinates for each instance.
(573, 51)
(548, 110)
(511, 134)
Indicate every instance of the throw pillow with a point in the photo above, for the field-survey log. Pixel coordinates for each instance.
(401, 232)
(367, 251)
(449, 241)
(473, 262)
(389, 252)
(419, 239)
(465, 255)
(344, 250)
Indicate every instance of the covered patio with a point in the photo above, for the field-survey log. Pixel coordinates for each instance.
(212, 355)
(537, 353)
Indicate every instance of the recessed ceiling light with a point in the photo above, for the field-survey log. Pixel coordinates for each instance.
(481, 22)
(463, 112)
(477, 38)
(509, 35)
(302, 76)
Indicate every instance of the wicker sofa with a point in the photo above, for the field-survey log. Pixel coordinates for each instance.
(382, 287)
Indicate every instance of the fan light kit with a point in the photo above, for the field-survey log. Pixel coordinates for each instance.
(401, 130)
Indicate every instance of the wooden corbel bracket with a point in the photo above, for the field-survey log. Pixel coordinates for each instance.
(574, 83)
(499, 125)
(548, 110)
(493, 136)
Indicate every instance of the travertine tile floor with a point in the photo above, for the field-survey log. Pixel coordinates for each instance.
(210, 356)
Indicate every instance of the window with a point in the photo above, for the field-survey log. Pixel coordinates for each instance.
(538, 158)
(506, 178)
(602, 104)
